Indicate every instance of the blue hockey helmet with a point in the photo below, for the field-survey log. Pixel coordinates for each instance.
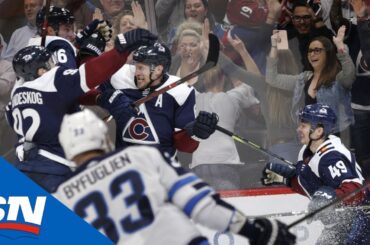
(29, 60)
(319, 115)
(156, 54)
(56, 17)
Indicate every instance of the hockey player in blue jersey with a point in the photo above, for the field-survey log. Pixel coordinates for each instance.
(135, 196)
(167, 121)
(44, 93)
(60, 39)
(326, 169)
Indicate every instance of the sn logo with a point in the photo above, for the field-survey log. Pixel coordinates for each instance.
(10, 219)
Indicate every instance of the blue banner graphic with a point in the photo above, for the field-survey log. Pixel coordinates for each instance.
(29, 215)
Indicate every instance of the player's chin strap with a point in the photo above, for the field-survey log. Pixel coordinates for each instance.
(312, 139)
(152, 68)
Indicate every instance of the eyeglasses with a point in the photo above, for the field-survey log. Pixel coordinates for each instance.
(315, 51)
(298, 18)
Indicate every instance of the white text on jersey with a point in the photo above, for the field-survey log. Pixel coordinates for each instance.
(95, 174)
(27, 98)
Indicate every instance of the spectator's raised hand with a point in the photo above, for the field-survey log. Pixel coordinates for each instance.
(274, 7)
(338, 39)
(359, 7)
(139, 16)
(236, 43)
(97, 14)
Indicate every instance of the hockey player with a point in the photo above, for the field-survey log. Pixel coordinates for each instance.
(60, 36)
(134, 196)
(166, 121)
(44, 94)
(326, 169)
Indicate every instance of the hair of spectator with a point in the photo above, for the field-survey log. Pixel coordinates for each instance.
(188, 25)
(300, 3)
(278, 98)
(332, 65)
(214, 78)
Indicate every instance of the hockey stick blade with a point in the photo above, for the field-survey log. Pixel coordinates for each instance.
(336, 201)
(212, 58)
(46, 23)
(251, 144)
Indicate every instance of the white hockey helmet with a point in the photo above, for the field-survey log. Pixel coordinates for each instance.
(83, 131)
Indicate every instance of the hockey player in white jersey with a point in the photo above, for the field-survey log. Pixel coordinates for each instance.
(326, 169)
(134, 196)
(44, 93)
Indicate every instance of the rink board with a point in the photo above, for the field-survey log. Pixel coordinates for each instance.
(263, 201)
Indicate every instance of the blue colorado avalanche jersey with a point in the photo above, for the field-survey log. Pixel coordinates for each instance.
(64, 53)
(331, 165)
(158, 118)
(37, 107)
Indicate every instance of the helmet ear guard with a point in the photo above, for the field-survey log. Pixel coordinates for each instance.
(83, 131)
(319, 115)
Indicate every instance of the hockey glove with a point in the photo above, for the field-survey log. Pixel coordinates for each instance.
(133, 39)
(278, 173)
(203, 126)
(264, 231)
(307, 178)
(323, 196)
(102, 26)
(93, 45)
(117, 103)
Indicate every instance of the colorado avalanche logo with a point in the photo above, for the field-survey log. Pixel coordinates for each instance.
(140, 130)
(137, 129)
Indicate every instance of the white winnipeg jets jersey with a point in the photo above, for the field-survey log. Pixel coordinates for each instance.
(134, 196)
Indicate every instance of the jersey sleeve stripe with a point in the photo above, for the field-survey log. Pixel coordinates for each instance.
(200, 185)
(179, 184)
(194, 201)
(83, 82)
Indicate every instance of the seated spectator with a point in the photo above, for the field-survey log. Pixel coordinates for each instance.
(327, 80)
(20, 36)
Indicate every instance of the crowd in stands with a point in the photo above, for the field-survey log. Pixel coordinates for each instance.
(257, 83)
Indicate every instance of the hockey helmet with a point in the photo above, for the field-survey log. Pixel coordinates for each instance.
(56, 17)
(156, 54)
(81, 132)
(29, 60)
(319, 115)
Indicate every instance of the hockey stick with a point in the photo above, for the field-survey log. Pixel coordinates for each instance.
(212, 57)
(336, 201)
(302, 212)
(46, 23)
(250, 143)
